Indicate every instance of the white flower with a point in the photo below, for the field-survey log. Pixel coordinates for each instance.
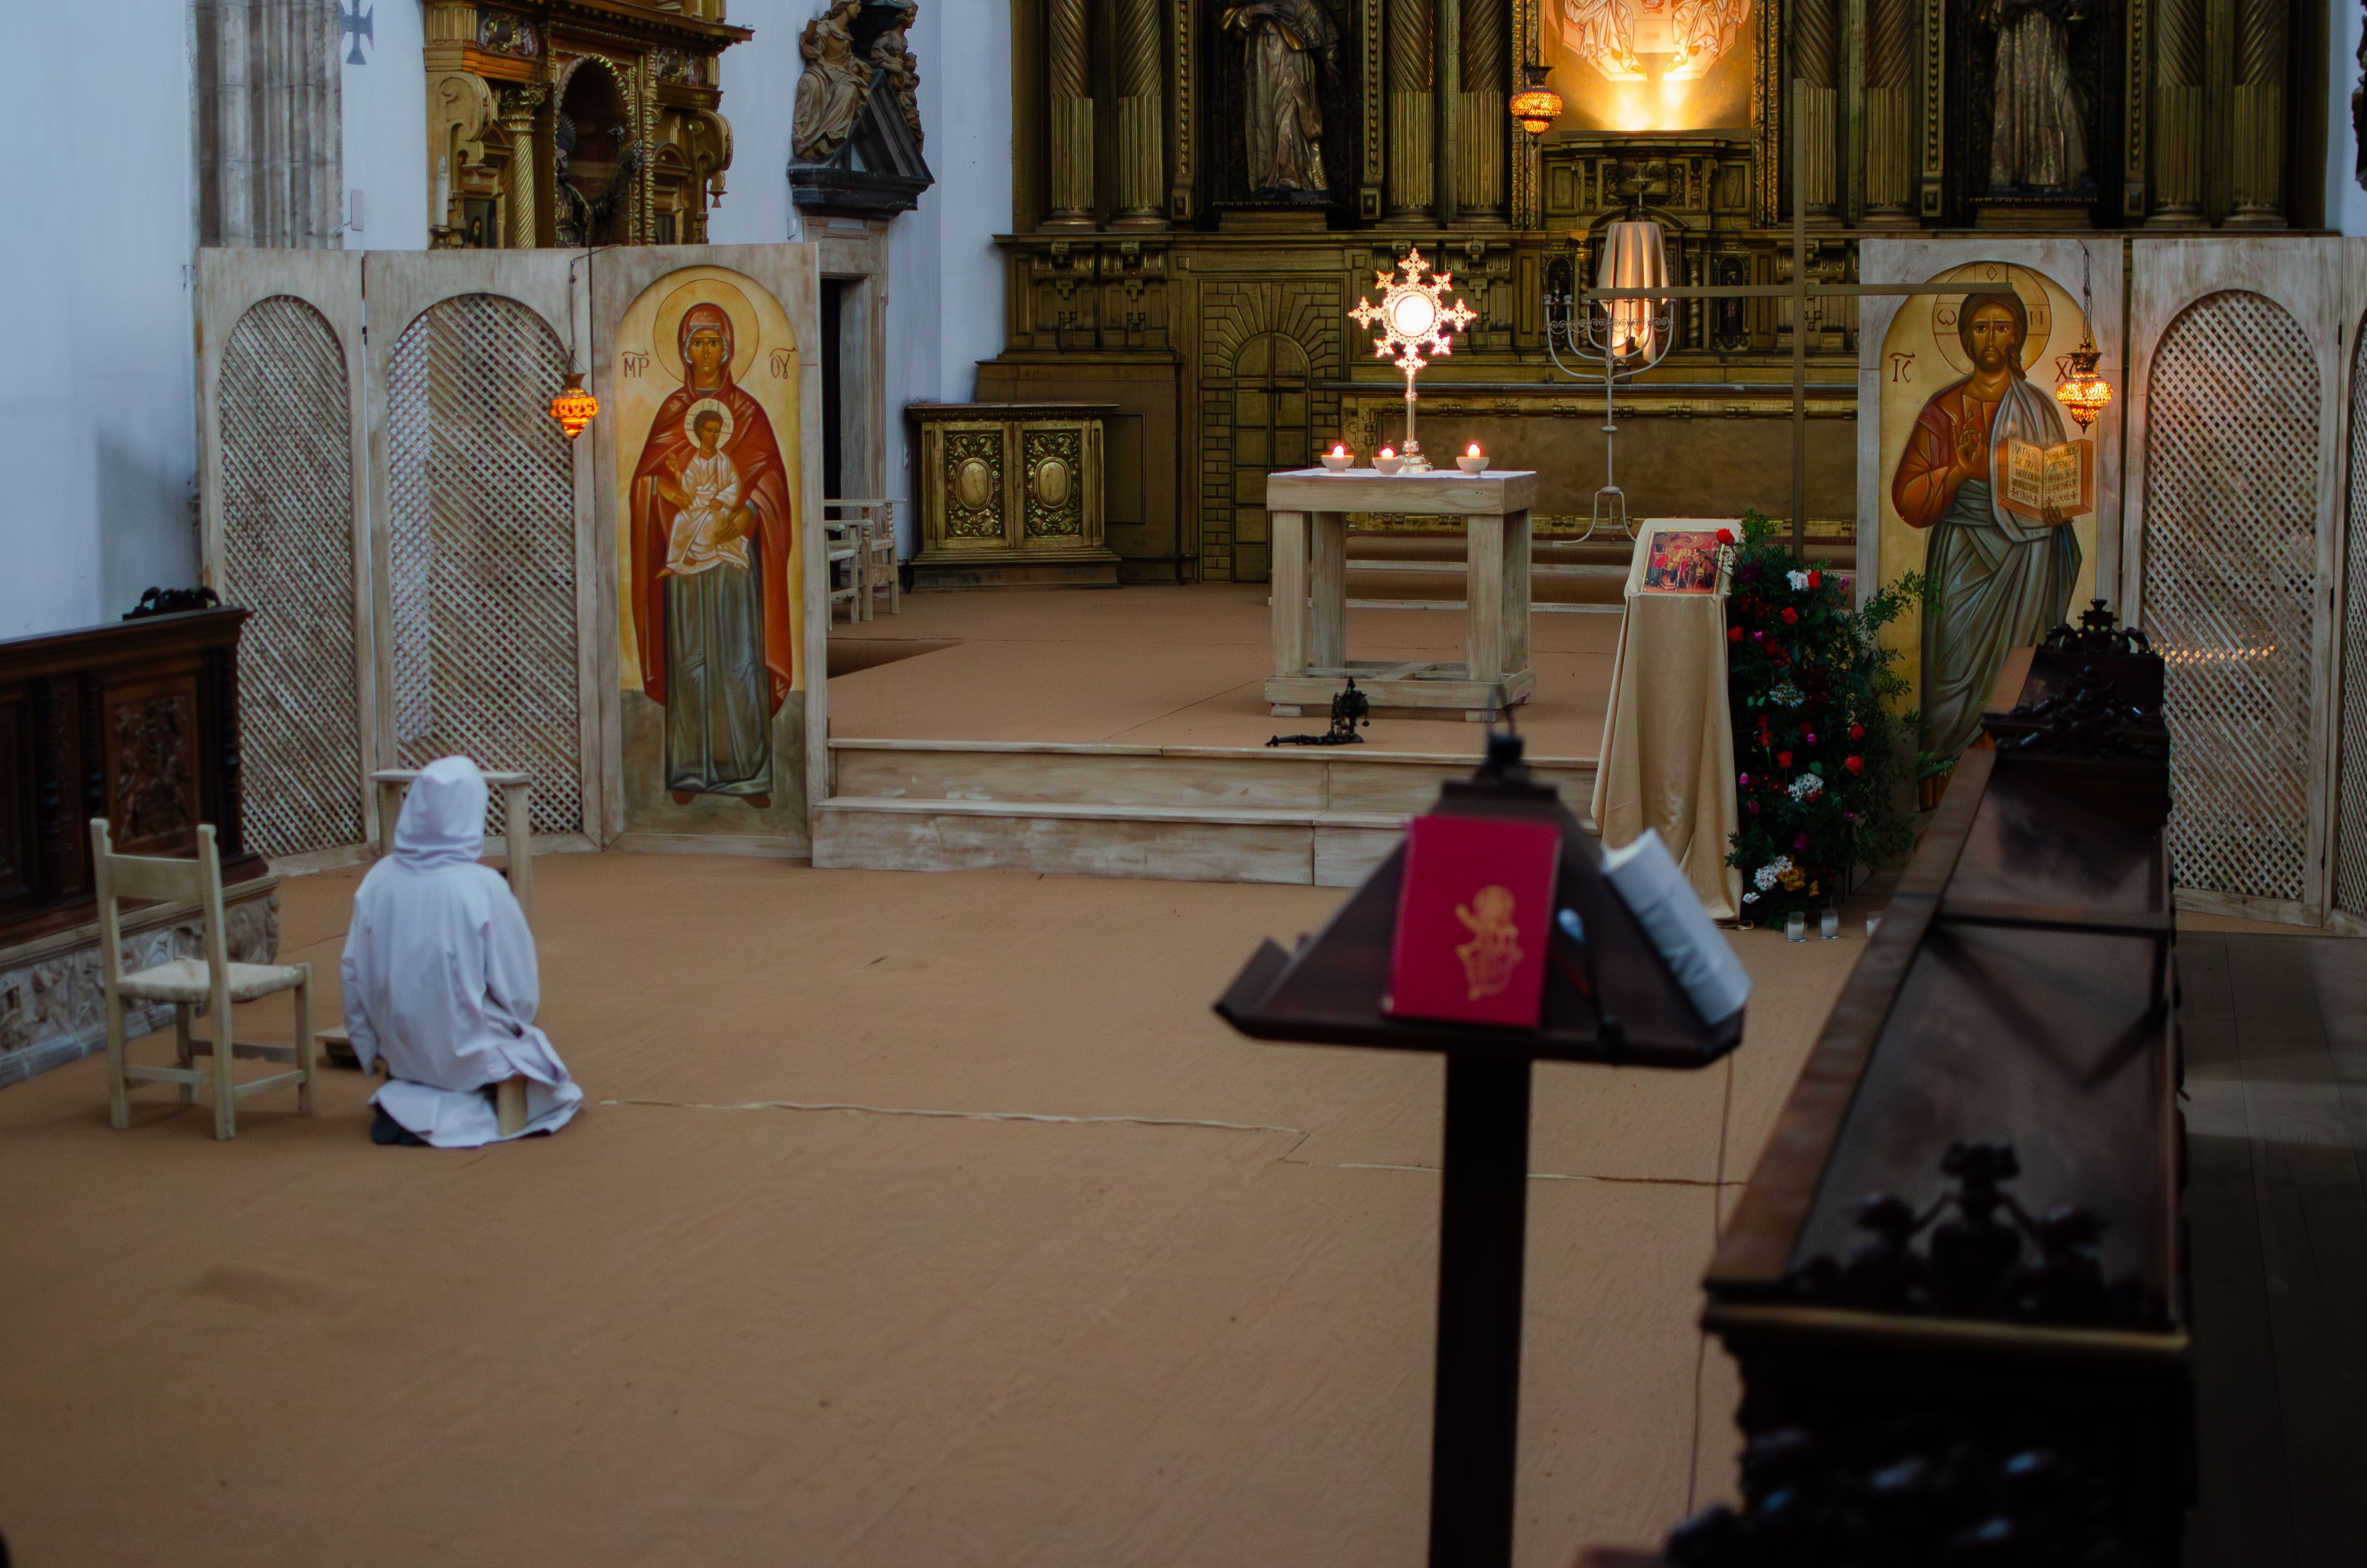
(1751, 898)
(1787, 694)
(1767, 875)
(1799, 581)
(1807, 787)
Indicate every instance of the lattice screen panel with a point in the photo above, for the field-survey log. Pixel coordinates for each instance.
(482, 536)
(2350, 815)
(2230, 555)
(288, 556)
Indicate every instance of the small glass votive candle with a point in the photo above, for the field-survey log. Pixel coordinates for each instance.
(1829, 924)
(1387, 461)
(1473, 460)
(1795, 926)
(1338, 459)
(1873, 924)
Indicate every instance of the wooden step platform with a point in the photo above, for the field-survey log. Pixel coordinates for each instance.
(1322, 816)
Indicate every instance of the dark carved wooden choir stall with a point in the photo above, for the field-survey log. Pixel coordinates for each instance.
(1955, 1285)
(136, 721)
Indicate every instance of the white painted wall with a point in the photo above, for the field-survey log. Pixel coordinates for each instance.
(384, 110)
(944, 277)
(2346, 202)
(97, 441)
(98, 447)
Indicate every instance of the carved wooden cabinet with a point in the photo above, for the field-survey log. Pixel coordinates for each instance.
(1011, 496)
(136, 721)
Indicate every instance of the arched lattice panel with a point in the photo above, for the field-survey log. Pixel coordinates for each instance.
(482, 547)
(288, 556)
(2230, 558)
(2350, 816)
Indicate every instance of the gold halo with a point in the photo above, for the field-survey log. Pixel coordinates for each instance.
(690, 419)
(2036, 301)
(665, 331)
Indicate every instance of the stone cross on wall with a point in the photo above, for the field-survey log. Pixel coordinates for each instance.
(355, 21)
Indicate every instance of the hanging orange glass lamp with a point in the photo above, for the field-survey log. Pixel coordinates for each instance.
(2079, 387)
(1537, 106)
(2082, 389)
(573, 406)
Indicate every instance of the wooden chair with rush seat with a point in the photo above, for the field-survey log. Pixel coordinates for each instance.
(211, 982)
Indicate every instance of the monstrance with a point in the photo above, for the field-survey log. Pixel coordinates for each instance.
(1414, 319)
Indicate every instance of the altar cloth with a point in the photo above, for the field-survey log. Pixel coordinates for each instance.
(1667, 758)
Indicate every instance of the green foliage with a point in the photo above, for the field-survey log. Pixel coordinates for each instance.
(1817, 741)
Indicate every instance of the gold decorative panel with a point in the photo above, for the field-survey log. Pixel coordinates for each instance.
(1053, 458)
(972, 473)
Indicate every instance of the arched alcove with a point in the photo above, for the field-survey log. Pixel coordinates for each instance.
(288, 557)
(482, 558)
(2230, 564)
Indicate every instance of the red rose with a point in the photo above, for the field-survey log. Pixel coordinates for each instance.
(1791, 616)
(1726, 536)
(1816, 579)
(1854, 764)
(1857, 732)
(1733, 634)
(1783, 759)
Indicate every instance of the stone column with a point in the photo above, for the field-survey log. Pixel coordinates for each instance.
(1141, 124)
(1889, 114)
(267, 94)
(1068, 84)
(2179, 95)
(2259, 114)
(1815, 60)
(1482, 127)
(1410, 123)
(518, 105)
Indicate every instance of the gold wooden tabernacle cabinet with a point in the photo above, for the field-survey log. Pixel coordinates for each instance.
(1011, 496)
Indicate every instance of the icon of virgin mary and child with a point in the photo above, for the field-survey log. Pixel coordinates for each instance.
(711, 536)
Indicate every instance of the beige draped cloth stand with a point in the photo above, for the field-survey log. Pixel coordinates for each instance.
(1667, 758)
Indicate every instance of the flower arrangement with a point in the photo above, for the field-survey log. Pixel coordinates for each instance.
(1816, 739)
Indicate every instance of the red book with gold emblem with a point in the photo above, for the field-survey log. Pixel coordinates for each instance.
(1475, 914)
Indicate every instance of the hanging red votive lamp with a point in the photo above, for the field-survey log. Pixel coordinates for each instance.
(573, 406)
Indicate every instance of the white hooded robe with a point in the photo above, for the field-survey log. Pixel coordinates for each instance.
(440, 977)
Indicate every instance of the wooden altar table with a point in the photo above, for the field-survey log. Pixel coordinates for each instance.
(1309, 507)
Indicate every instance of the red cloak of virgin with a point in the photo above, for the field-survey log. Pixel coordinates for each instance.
(764, 489)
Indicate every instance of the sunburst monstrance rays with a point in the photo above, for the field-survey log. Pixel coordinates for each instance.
(1414, 317)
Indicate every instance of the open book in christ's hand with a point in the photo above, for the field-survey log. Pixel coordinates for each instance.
(2062, 476)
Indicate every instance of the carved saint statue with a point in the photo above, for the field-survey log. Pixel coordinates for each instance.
(900, 71)
(2038, 139)
(830, 93)
(1282, 43)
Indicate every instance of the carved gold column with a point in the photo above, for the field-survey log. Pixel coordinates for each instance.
(2259, 114)
(518, 105)
(2180, 94)
(1815, 43)
(1481, 132)
(1070, 79)
(1889, 114)
(1141, 150)
(1411, 124)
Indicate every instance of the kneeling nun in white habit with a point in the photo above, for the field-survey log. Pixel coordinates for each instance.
(440, 977)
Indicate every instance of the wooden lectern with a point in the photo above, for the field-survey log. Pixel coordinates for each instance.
(1329, 992)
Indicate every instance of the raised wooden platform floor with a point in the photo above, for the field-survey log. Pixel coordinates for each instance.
(1124, 734)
